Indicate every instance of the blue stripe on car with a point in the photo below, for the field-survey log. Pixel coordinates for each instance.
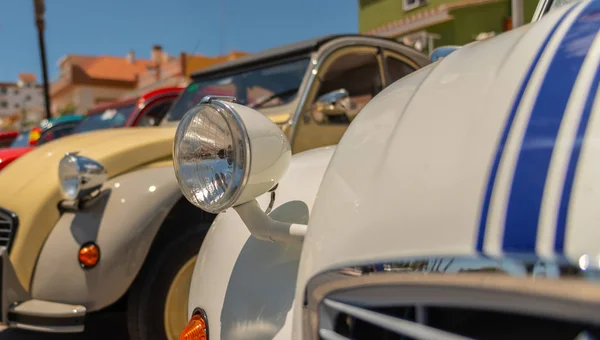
(561, 223)
(525, 200)
(500, 149)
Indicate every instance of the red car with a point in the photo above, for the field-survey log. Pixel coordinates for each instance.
(147, 110)
(7, 137)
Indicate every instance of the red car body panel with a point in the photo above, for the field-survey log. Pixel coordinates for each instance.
(142, 102)
(7, 155)
(7, 137)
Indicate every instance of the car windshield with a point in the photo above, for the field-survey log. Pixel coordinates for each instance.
(265, 86)
(111, 118)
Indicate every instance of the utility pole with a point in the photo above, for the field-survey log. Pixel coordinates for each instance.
(222, 26)
(40, 9)
(516, 7)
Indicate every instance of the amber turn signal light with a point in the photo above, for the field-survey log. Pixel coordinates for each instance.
(196, 329)
(89, 255)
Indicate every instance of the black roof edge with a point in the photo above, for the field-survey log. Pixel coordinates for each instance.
(297, 49)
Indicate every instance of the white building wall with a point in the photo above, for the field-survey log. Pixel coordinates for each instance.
(86, 97)
(14, 98)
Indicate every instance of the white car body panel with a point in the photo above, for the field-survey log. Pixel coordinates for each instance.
(248, 292)
(435, 160)
(407, 171)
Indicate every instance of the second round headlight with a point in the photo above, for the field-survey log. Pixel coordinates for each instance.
(211, 156)
(79, 176)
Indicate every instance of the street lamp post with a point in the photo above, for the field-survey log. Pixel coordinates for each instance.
(40, 10)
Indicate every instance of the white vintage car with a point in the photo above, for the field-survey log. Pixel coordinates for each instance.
(461, 203)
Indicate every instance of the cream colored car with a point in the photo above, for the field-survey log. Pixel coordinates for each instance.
(97, 220)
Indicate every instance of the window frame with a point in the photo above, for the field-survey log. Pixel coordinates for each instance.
(329, 61)
(312, 91)
(392, 54)
(151, 105)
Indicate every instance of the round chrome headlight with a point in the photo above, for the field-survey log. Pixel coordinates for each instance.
(79, 176)
(211, 156)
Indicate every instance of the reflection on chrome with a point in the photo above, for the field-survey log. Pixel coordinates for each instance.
(379, 296)
(80, 176)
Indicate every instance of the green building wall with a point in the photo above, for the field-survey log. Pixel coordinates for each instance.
(467, 23)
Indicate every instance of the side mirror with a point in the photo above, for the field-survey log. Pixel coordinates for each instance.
(335, 104)
(442, 52)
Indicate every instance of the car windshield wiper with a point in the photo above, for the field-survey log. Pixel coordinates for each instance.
(273, 96)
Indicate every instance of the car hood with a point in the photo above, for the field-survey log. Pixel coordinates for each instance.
(30, 187)
(408, 177)
(441, 153)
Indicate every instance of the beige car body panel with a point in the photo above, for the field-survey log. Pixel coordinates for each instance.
(144, 197)
(35, 195)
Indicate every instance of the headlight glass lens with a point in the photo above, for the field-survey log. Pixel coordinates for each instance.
(68, 173)
(211, 157)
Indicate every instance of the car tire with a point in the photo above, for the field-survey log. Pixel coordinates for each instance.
(148, 294)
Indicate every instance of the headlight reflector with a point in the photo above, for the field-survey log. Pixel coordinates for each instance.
(79, 176)
(211, 156)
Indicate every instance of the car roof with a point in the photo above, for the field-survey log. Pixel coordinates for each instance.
(64, 119)
(48, 123)
(286, 51)
(61, 119)
(161, 91)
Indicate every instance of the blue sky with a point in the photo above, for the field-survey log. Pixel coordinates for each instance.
(113, 27)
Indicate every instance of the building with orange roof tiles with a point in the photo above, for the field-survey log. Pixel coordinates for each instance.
(86, 81)
(176, 71)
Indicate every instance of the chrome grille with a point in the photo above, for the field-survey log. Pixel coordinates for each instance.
(454, 298)
(8, 227)
(407, 329)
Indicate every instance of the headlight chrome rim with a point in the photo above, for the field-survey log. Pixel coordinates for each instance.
(239, 138)
(79, 176)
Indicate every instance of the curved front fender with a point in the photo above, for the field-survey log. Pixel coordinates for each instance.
(245, 285)
(123, 223)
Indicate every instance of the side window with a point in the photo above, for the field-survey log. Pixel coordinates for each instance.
(358, 75)
(396, 68)
(154, 114)
(56, 132)
(347, 81)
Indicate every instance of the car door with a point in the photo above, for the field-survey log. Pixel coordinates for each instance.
(356, 72)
